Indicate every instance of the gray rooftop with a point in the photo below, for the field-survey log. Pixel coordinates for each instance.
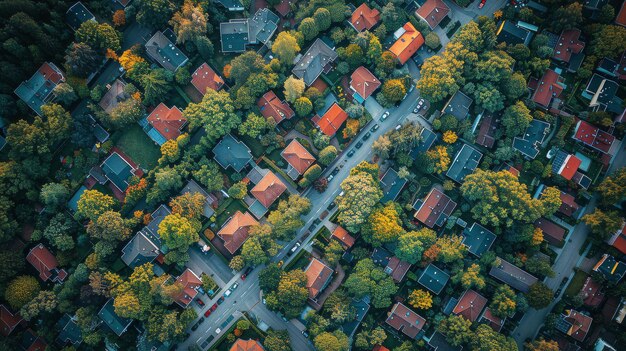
(116, 323)
(230, 152)
(434, 279)
(391, 185)
(139, 250)
(37, 91)
(427, 139)
(478, 239)
(237, 33)
(231, 5)
(458, 105)
(70, 331)
(513, 276)
(314, 61)
(161, 49)
(77, 15)
(530, 142)
(465, 162)
(510, 33)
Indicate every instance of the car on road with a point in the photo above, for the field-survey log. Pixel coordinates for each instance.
(398, 126)
(221, 299)
(207, 313)
(294, 248)
(420, 104)
(200, 302)
(235, 286)
(374, 128)
(330, 177)
(482, 3)
(305, 334)
(195, 326)
(312, 227)
(218, 330)
(264, 302)
(331, 206)
(201, 320)
(207, 341)
(214, 307)
(245, 273)
(350, 153)
(335, 171)
(358, 145)
(384, 116)
(564, 281)
(227, 293)
(558, 292)
(200, 290)
(366, 136)
(280, 263)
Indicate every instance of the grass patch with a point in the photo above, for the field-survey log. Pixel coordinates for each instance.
(299, 261)
(136, 144)
(453, 30)
(576, 284)
(254, 144)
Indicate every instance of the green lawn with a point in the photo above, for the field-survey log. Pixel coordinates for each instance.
(576, 284)
(136, 144)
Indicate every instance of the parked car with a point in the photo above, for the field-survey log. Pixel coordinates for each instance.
(398, 126)
(200, 290)
(219, 302)
(207, 312)
(335, 171)
(280, 263)
(331, 206)
(374, 128)
(235, 286)
(201, 320)
(558, 292)
(264, 302)
(384, 116)
(200, 302)
(358, 145)
(295, 247)
(227, 293)
(482, 3)
(366, 136)
(245, 273)
(330, 177)
(214, 307)
(305, 334)
(218, 330)
(195, 326)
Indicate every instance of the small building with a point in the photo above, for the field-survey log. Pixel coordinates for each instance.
(298, 158)
(188, 282)
(565, 164)
(272, 107)
(397, 268)
(360, 307)
(464, 163)
(235, 231)
(231, 5)
(496, 323)
(114, 95)
(78, 14)
(246, 345)
(318, 275)
(512, 33)
(238, 33)
(478, 239)
(118, 170)
(268, 189)
(435, 209)
(569, 49)
(595, 138)
(433, 12)
(331, 121)
(403, 319)
(164, 123)
(343, 237)
(569, 207)
(46, 264)
(284, 7)
(612, 269)
(512, 275)
(8, 321)
(438, 342)
(458, 105)
(548, 91)
(32, 342)
(602, 93)
(139, 250)
(618, 240)
(363, 83)
(487, 132)
(574, 324)
(116, 323)
(210, 200)
(364, 18)
(434, 279)
(230, 152)
(427, 139)
(408, 41)
(470, 305)
(592, 294)
(204, 77)
(37, 91)
(608, 68)
(621, 16)
(534, 135)
(317, 59)
(392, 185)
(70, 331)
(151, 230)
(552, 232)
(161, 49)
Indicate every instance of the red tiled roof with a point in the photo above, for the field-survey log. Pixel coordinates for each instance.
(43, 261)
(205, 77)
(332, 120)
(547, 88)
(621, 16)
(436, 204)
(268, 189)
(470, 305)
(397, 268)
(364, 82)
(271, 106)
(591, 293)
(246, 345)
(168, 121)
(433, 11)
(283, 8)
(380, 348)
(568, 204)
(552, 233)
(343, 237)
(403, 319)
(493, 321)
(408, 43)
(297, 156)
(51, 73)
(580, 325)
(8, 321)
(487, 132)
(317, 274)
(593, 136)
(188, 281)
(569, 167)
(235, 231)
(568, 44)
(364, 18)
(618, 240)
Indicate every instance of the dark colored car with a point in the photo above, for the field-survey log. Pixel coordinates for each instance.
(207, 313)
(350, 153)
(366, 136)
(214, 307)
(200, 302)
(219, 302)
(195, 326)
(201, 320)
(245, 273)
(331, 206)
(374, 128)
(358, 145)
(335, 171)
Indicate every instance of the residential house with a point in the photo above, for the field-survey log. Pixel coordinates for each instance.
(268, 189)
(70, 331)
(360, 307)
(434, 279)
(595, 138)
(246, 345)
(318, 276)
(284, 7)
(621, 16)
(204, 77)
(114, 95)
(403, 319)
(8, 321)
(397, 268)
(230, 152)
(123, 3)
(164, 123)
(272, 107)
(548, 91)
(464, 163)
(317, 59)
(458, 105)
(470, 305)
(231, 5)
(210, 201)
(139, 250)
(594, 4)
(602, 93)
(513, 33)
(117, 324)
(37, 91)
(565, 164)
(512, 275)
(478, 239)
(188, 282)
(331, 121)
(612, 269)
(238, 33)
(363, 83)
(32, 342)
(592, 294)
(487, 132)
(574, 324)
(116, 169)
(78, 14)
(408, 41)
(552, 232)
(433, 12)
(534, 135)
(602, 345)
(438, 342)
(364, 18)
(569, 49)
(496, 323)
(608, 68)
(46, 264)
(380, 348)
(435, 209)
(298, 159)
(569, 207)
(391, 185)
(427, 139)
(162, 50)
(235, 231)
(343, 237)
(618, 240)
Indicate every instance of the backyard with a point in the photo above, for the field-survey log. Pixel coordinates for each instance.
(138, 146)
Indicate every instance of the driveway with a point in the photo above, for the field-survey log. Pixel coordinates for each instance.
(210, 264)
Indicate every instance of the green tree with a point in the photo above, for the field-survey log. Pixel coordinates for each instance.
(189, 205)
(154, 14)
(308, 28)
(215, 113)
(54, 195)
(156, 84)
(383, 225)
(292, 292)
(456, 329)
(411, 245)
(245, 65)
(451, 248)
(322, 19)
(93, 203)
(327, 155)
(59, 232)
(516, 119)
(470, 278)
(336, 341)
(608, 40)
(205, 47)
(99, 36)
(189, 22)
(369, 339)
(567, 17)
(21, 291)
(486, 339)
(238, 190)
(277, 340)
(432, 40)
(368, 279)
(613, 188)
(178, 233)
(539, 265)
(603, 224)
(374, 49)
(81, 60)
(361, 193)
(421, 299)
(269, 277)
(45, 301)
(209, 175)
(65, 94)
(303, 106)
(126, 113)
(286, 218)
(255, 125)
(354, 56)
(503, 303)
(393, 90)
(286, 47)
(542, 345)
(294, 88)
(237, 262)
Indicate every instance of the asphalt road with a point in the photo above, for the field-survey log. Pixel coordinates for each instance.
(563, 267)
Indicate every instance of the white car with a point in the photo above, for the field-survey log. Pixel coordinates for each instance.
(218, 330)
(384, 116)
(227, 293)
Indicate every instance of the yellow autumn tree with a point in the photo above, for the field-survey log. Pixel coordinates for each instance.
(441, 159)
(421, 299)
(119, 18)
(537, 237)
(170, 152)
(450, 137)
(128, 59)
(352, 127)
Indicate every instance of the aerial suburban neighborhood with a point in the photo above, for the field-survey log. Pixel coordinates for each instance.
(301, 175)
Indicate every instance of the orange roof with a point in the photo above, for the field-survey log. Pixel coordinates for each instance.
(235, 231)
(621, 16)
(433, 12)
(364, 82)
(188, 281)
(343, 236)
(364, 18)
(246, 345)
(618, 240)
(569, 167)
(580, 325)
(317, 274)
(297, 156)
(332, 120)
(408, 43)
(167, 121)
(470, 305)
(268, 189)
(380, 348)
(205, 77)
(271, 106)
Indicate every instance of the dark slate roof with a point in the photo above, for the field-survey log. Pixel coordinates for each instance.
(77, 15)
(458, 105)
(116, 323)
(510, 33)
(427, 139)
(513, 276)
(381, 256)
(438, 343)
(70, 331)
(117, 170)
(603, 94)
(434, 279)
(235, 35)
(391, 184)
(465, 162)
(153, 227)
(36, 91)
(230, 152)
(139, 250)
(478, 239)
(162, 50)
(612, 269)
(314, 61)
(361, 307)
(530, 143)
(263, 25)
(608, 67)
(231, 5)
(193, 187)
